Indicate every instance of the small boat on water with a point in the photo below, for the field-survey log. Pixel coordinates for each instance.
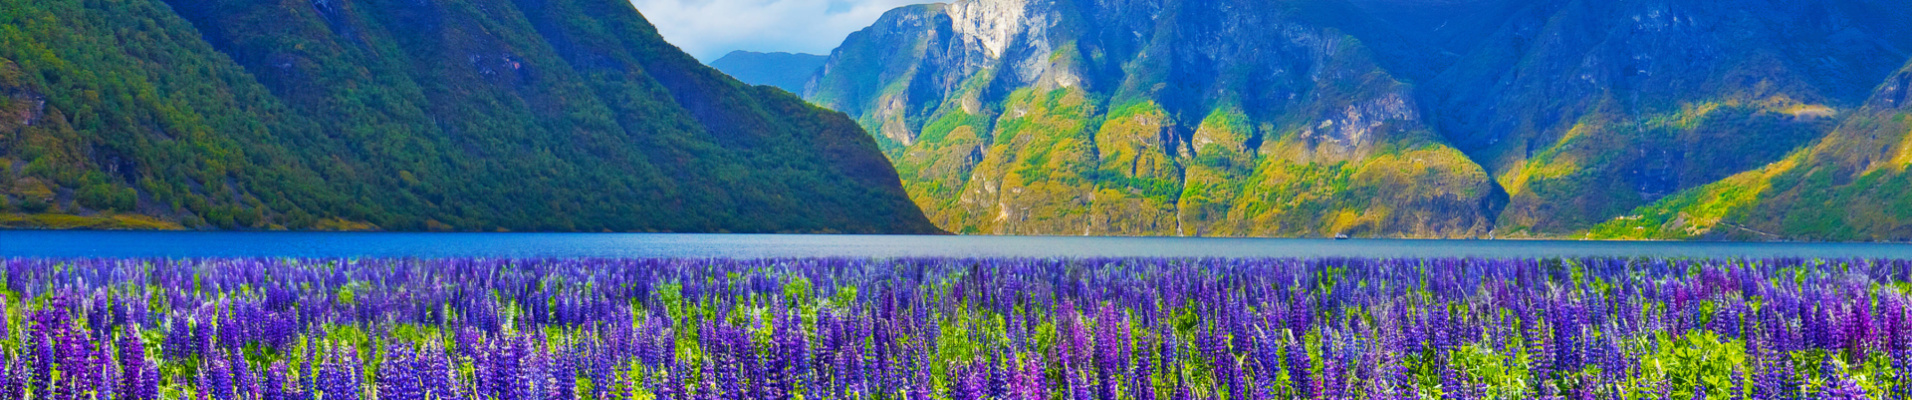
(1340, 236)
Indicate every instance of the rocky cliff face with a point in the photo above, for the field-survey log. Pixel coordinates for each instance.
(1373, 117)
(1150, 117)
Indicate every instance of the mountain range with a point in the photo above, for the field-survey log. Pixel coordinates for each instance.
(473, 115)
(1634, 119)
(787, 71)
(1610, 119)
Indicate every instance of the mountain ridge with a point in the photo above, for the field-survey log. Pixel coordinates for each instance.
(787, 71)
(520, 115)
(1544, 119)
(1187, 158)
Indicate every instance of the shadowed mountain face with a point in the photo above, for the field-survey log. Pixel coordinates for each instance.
(787, 71)
(402, 114)
(1417, 118)
(1851, 184)
(1587, 109)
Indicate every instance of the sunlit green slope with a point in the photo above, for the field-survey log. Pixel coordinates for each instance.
(1850, 185)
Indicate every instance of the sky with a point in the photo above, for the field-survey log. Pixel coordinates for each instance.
(708, 29)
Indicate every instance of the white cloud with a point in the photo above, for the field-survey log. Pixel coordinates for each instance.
(709, 28)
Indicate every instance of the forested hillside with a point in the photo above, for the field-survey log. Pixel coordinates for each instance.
(1850, 185)
(408, 115)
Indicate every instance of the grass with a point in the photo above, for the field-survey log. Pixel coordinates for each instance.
(69, 221)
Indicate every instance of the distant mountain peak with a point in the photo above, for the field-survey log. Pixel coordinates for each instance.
(788, 71)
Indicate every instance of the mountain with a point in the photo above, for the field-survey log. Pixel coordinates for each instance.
(1393, 118)
(1585, 110)
(409, 115)
(1849, 185)
(1152, 117)
(787, 71)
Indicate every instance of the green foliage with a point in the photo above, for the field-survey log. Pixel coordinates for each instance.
(572, 116)
(101, 196)
(936, 131)
(1697, 361)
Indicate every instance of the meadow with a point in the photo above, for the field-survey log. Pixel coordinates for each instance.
(958, 329)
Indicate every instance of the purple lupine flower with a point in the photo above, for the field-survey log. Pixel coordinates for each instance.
(437, 378)
(274, 387)
(1028, 380)
(1843, 388)
(535, 382)
(339, 377)
(967, 383)
(134, 384)
(1451, 386)
(1181, 390)
(1143, 388)
(205, 386)
(398, 378)
(1567, 326)
(998, 382)
(1300, 371)
(308, 385)
(564, 374)
(244, 384)
(219, 377)
(531, 328)
(1540, 353)
(12, 376)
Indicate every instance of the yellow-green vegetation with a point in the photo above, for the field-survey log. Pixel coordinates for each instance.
(1604, 166)
(1847, 187)
(1624, 108)
(1408, 191)
(1139, 175)
(1850, 185)
(1035, 176)
(935, 169)
(68, 221)
(1699, 212)
(1115, 138)
(1904, 159)
(1546, 119)
(1213, 181)
(1039, 176)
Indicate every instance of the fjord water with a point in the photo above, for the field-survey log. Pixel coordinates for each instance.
(643, 245)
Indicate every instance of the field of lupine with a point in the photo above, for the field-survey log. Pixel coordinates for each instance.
(960, 329)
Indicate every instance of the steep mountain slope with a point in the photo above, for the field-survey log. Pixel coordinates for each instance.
(398, 114)
(1578, 112)
(1151, 117)
(787, 71)
(1850, 185)
(1584, 110)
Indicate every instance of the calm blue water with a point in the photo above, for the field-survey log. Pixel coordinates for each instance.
(432, 245)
